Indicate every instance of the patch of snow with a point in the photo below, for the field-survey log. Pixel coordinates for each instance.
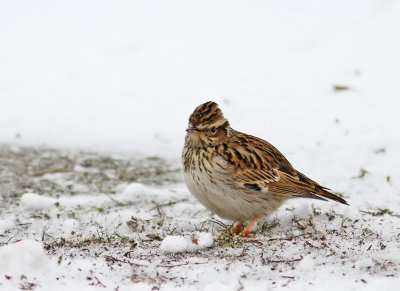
(365, 263)
(134, 190)
(69, 227)
(302, 210)
(36, 201)
(5, 224)
(25, 256)
(180, 244)
(307, 263)
(174, 244)
(204, 240)
(222, 286)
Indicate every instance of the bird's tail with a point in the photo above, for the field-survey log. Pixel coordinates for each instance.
(319, 191)
(322, 192)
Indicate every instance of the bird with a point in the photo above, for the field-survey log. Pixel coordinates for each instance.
(237, 176)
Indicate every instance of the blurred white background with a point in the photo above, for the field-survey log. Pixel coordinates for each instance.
(125, 75)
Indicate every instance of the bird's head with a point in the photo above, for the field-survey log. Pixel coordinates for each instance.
(207, 125)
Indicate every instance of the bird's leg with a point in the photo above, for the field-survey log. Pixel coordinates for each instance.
(237, 227)
(246, 230)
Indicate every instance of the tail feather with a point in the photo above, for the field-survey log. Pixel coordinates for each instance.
(321, 191)
(318, 191)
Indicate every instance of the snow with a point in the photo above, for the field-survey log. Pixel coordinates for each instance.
(307, 263)
(35, 201)
(24, 256)
(5, 224)
(116, 82)
(174, 244)
(179, 244)
(205, 240)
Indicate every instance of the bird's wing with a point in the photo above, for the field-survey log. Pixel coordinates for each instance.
(259, 167)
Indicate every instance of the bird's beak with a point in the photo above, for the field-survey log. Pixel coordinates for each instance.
(192, 129)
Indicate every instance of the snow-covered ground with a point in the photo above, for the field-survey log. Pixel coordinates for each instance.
(110, 86)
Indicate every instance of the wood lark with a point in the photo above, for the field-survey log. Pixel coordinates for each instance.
(238, 176)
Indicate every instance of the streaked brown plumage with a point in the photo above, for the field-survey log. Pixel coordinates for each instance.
(238, 176)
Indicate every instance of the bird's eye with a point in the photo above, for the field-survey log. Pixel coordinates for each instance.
(213, 130)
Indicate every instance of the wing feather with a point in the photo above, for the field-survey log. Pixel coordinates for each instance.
(260, 167)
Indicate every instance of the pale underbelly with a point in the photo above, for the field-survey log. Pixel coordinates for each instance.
(228, 201)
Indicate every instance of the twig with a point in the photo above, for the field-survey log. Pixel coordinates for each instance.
(291, 237)
(115, 260)
(381, 212)
(115, 200)
(285, 261)
(220, 223)
(168, 204)
(99, 283)
(178, 265)
(266, 227)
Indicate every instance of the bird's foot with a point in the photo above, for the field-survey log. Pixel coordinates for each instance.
(237, 228)
(246, 230)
